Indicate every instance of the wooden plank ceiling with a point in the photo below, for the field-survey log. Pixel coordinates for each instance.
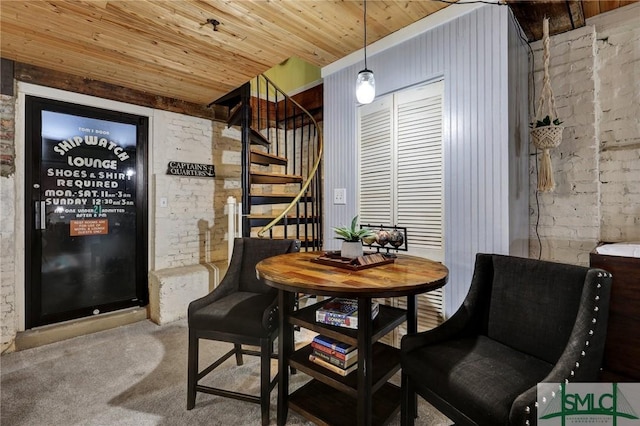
(167, 48)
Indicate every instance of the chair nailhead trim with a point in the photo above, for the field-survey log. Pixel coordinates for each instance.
(527, 409)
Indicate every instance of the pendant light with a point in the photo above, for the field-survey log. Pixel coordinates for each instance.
(365, 83)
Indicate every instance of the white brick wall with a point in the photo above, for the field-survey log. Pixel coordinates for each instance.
(618, 69)
(188, 234)
(171, 290)
(7, 237)
(567, 221)
(597, 165)
(182, 230)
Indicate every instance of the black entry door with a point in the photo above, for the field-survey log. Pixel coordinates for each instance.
(85, 211)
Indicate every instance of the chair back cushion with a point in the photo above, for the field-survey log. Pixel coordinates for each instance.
(253, 251)
(240, 312)
(534, 304)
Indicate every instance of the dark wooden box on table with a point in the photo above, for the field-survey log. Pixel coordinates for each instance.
(622, 350)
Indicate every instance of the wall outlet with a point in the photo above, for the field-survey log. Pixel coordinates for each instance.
(339, 196)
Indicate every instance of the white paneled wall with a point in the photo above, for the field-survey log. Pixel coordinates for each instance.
(485, 152)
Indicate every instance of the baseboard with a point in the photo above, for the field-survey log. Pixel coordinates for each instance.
(66, 330)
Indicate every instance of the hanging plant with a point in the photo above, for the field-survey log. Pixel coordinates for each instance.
(547, 131)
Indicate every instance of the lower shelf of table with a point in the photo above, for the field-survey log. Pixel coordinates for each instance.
(322, 404)
(386, 362)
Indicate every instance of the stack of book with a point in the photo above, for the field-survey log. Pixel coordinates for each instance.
(342, 312)
(341, 358)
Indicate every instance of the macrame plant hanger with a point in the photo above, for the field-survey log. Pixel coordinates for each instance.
(545, 133)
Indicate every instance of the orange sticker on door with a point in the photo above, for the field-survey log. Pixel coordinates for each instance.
(89, 227)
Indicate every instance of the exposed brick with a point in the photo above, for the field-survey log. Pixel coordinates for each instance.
(8, 199)
(597, 178)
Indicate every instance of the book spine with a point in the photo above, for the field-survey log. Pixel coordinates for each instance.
(331, 359)
(331, 345)
(332, 314)
(346, 357)
(331, 367)
(323, 314)
(339, 307)
(341, 321)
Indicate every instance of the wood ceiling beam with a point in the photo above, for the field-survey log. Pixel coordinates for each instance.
(564, 16)
(63, 81)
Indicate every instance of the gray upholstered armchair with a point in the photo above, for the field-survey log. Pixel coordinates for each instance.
(242, 310)
(523, 321)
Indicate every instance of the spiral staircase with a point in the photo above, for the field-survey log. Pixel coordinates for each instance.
(281, 158)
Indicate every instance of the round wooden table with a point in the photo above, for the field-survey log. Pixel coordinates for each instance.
(298, 272)
(295, 273)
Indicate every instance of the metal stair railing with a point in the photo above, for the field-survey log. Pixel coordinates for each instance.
(303, 146)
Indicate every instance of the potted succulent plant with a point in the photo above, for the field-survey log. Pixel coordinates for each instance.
(352, 238)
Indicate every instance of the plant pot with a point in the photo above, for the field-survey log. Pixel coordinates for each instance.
(351, 249)
(546, 137)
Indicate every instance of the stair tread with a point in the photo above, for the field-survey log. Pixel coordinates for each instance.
(276, 199)
(278, 195)
(267, 158)
(258, 138)
(273, 216)
(235, 116)
(301, 238)
(229, 99)
(266, 154)
(266, 178)
(275, 174)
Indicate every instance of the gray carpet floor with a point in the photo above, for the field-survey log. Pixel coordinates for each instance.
(134, 375)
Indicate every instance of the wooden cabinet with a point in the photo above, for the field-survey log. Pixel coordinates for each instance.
(621, 361)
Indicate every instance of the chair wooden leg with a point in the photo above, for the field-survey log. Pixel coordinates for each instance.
(408, 406)
(239, 360)
(266, 349)
(192, 370)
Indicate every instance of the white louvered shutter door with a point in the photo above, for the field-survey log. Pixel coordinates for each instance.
(401, 181)
(419, 199)
(419, 202)
(377, 168)
(376, 162)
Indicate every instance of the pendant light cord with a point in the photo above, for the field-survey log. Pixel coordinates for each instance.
(365, 34)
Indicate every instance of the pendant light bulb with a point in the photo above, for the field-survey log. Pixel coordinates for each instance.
(365, 83)
(365, 86)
